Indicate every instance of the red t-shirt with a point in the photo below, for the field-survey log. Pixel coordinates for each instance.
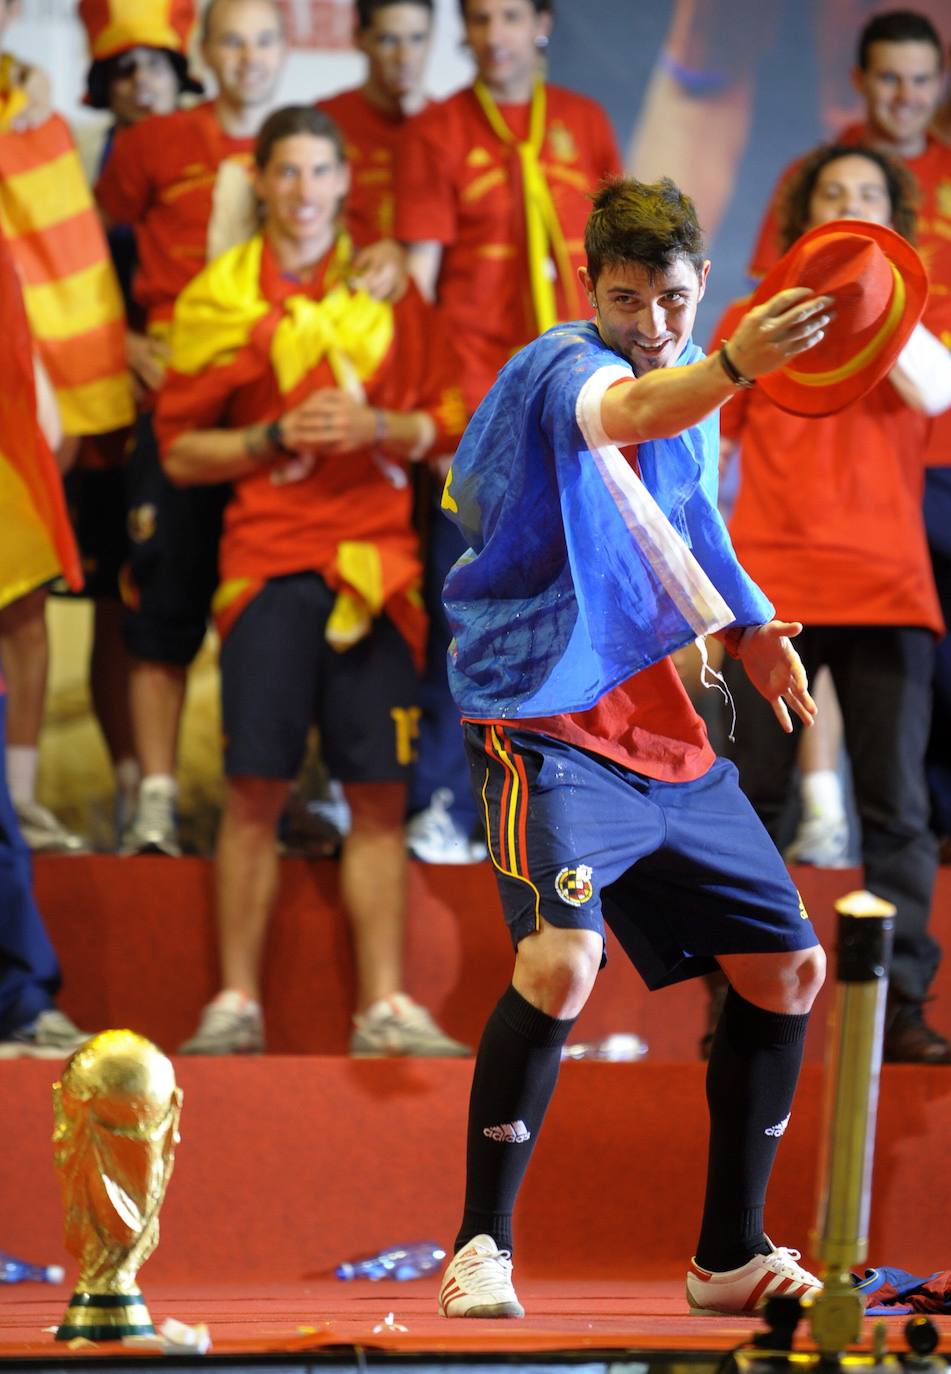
(459, 184)
(160, 178)
(647, 724)
(291, 517)
(828, 513)
(932, 171)
(371, 138)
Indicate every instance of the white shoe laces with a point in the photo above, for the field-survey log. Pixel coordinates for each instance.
(784, 1261)
(482, 1273)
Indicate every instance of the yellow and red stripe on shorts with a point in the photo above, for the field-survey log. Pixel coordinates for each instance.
(507, 834)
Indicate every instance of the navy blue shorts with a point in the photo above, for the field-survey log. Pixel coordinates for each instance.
(681, 872)
(279, 676)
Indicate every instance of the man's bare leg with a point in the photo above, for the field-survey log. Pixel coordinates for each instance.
(246, 874)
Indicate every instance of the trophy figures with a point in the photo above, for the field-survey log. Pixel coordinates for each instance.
(116, 1113)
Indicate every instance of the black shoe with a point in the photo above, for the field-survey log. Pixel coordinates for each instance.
(909, 1039)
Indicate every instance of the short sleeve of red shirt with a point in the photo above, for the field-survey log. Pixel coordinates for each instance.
(189, 402)
(428, 370)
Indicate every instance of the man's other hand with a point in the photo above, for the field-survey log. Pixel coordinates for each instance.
(776, 671)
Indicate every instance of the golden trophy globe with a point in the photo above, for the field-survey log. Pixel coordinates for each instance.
(116, 1112)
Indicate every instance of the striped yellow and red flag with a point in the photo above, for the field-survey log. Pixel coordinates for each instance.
(70, 290)
(37, 542)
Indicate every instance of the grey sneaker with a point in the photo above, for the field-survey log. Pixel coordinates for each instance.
(44, 833)
(397, 1026)
(821, 842)
(51, 1036)
(433, 837)
(231, 1024)
(154, 829)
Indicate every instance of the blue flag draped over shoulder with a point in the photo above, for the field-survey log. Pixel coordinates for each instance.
(579, 573)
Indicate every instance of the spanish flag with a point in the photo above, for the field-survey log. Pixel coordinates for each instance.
(70, 291)
(37, 542)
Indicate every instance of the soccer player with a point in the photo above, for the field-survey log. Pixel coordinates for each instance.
(311, 397)
(492, 194)
(580, 480)
(395, 37)
(162, 178)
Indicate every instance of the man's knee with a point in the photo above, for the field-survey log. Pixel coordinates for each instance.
(255, 801)
(785, 983)
(555, 968)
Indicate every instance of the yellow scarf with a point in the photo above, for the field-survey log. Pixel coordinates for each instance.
(217, 311)
(543, 232)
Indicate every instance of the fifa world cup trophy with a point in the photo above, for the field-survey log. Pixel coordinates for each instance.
(116, 1112)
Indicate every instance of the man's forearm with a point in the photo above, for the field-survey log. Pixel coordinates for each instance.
(206, 456)
(665, 402)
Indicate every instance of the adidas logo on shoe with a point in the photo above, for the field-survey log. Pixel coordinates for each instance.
(511, 1133)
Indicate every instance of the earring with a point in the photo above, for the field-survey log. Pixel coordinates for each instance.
(541, 41)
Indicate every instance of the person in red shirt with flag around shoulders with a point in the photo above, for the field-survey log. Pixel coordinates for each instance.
(310, 397)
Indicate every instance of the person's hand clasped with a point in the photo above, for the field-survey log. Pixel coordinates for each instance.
(776, 671)
(770, 334)
(330, 421)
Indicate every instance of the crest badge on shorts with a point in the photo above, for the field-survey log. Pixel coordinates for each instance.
(573, 885)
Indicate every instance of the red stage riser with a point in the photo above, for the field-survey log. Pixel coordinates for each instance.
(288, 1165)
(136, 941)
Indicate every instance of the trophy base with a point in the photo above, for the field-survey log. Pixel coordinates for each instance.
(105, 1317)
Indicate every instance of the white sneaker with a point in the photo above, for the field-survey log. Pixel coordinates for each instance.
(44, 834)
(50, 1036)
(399, 1026)
(821, 842)
(741, 1292)
(154, 829)
(231, 1024)
(434, 837)
(478, 1282)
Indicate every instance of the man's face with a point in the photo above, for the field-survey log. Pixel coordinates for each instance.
(851, 187)
(396, 44)
(245, 50)
(503, 36)
(9, 10)
(901, 87)
(301, 189)
(647, 318)
(144, 84)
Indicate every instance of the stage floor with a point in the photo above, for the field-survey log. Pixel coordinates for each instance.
(580, 1320)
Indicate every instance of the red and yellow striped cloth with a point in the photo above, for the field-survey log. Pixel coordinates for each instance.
(37, 542)
(70, 290)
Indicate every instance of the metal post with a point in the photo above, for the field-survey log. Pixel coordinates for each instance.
(853, 1060)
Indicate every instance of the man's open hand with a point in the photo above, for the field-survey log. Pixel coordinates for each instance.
(776, 671)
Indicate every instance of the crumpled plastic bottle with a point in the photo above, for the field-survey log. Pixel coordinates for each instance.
(13, 1270)
(622, 1047)
(409, 1261)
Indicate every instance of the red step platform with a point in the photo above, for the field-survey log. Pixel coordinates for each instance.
(286, 1165)
(136, 941)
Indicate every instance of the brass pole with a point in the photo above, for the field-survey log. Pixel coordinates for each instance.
(853, 1068)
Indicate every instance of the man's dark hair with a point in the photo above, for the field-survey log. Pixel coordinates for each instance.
(105, 70)
(541, 6)
(366, 9)
(797, 192)
(898, 26)
(651, 224)
(296, 119)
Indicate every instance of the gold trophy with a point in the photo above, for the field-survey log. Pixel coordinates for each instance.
(116, 1114)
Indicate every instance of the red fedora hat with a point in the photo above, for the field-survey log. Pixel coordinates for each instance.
(880, 287)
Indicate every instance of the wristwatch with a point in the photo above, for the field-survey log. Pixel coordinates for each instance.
(275, 438)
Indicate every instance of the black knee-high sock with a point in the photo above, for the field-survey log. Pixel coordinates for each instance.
(751, 1079)
(515, 1073)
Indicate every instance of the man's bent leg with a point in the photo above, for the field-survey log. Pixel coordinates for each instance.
(751, 1080)
(515, 1075)
(516, 1071)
